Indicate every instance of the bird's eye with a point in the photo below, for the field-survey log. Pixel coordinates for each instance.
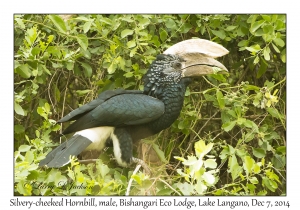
(177, 65)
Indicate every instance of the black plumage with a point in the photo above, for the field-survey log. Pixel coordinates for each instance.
(125, 116)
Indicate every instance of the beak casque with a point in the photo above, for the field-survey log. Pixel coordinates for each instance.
(199, 57)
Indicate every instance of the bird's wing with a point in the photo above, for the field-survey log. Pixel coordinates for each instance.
(120, 110)
(79, 112)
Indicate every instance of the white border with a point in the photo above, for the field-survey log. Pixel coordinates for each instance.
(151, 6)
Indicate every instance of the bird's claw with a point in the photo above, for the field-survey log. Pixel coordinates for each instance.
(142, 163)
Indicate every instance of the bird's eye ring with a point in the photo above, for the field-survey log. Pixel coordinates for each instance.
(177, 65)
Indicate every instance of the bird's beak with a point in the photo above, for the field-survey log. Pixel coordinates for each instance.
(196, 65)
(199, 55)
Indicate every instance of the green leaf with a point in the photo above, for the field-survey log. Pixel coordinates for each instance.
(155, 40)
(166, 191)
(243, 43)
(82, 92)
(253, 180)
(24, 188)
(58, 179)
(210, 163)
(278, 161)
(251, 87)
(240, 120)
(56, 93)
(20, 22)
(59, 23)
(31, 35)
(186, 27)
(259, 152)
(24, 148)
(40, 110)
(281, 149)
(235, 172)
(137, 178)
(200, 187)
(160, 153)
(202, 149)
(266, 17)
(266, 182)
(234, 167)
(103, 170)
(37, 133)
(224, 153)
(229, 125)
(259, 32)
(220, 99)
(232, 113)
(87, 26)
(248, 164)
(280, 25)
(70, 65)
(254, 48)
(24, 71)
(106, 20)
(208, 178)
(18, 109)
(50, 39)
(221, 34)
(279, 42)
(251, 124)
(82, 41)
(262, 69)
(179, 158)
(274, 112)
(170, 23)
(144, 22)
(190, 161)
(163, 34)
(266, 52)
(126, 32)
(186, 188)
(19, 129)
(112, 68)
(47, 107)
(131, 44)
(29, 156)
(275, 48)
(128, 74)
(230, 28)
(256, 168)
(256, 25)
(283, 55)
(256, 60)
(87, 69)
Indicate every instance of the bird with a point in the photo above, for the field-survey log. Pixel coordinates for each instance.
(123, 117)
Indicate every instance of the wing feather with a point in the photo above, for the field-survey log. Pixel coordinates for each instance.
(79, 112)
(120, 110)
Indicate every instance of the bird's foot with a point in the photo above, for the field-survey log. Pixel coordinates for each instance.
(142, 163)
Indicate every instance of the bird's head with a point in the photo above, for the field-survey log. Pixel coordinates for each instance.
(186, 59)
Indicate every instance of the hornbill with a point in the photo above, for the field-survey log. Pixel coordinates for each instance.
(125, 116)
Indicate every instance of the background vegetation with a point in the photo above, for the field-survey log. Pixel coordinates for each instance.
(230, 138)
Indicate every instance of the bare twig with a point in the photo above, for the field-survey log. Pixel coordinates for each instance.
(243, 75)
(87, 161)
(131, 179)
(166, 183)
(63, 108)
(49, 94)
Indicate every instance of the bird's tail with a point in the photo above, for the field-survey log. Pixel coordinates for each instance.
(60, 156)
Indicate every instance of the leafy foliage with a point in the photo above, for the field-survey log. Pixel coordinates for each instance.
(236, 123)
